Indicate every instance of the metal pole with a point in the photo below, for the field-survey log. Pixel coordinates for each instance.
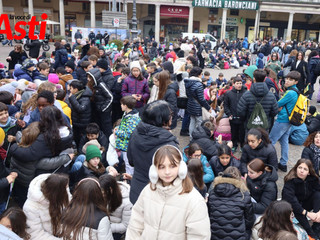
(134, 20)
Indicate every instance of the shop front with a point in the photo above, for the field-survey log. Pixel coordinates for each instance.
(231, 29)
(174, 21)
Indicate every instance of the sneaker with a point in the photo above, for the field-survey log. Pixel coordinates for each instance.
(184, 133)
(283, 168)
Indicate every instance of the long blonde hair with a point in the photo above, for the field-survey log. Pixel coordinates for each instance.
(30, 134)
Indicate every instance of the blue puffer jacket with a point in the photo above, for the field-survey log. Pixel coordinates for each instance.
(245, 43)
(311, 66)
(195, 95)
(288, 101)
(259, 61)
(58, 58)
(298, 134)
(22, 74)
(208, 173)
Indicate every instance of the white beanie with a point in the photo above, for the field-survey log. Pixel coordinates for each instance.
(135, 64)
(22, 84)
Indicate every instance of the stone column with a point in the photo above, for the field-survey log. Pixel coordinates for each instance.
(157, 24)
(190, 22)
(92, 14)
(30, 6)
(256, 26)
(61, 17)
(289, 29)
(223, 24)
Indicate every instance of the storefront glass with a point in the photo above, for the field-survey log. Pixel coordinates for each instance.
(174, 31)
(231, 31)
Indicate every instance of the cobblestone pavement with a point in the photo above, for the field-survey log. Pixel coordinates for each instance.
(294, 151)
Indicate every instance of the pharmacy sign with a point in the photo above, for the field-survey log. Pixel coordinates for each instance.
(231, 4)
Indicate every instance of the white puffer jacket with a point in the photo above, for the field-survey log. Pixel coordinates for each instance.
(36, 209)
(120, 217)
(164, 214)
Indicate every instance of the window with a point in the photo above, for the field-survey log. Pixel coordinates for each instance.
(85, 6)
(234, 12)
(213, 11)
(151, 10)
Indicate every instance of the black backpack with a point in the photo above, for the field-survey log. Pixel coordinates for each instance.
(316, 70)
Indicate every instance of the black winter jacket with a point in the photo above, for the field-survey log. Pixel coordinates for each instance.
(81, 109)
(4, 184)
(108, 78)
(248, 100)
(263, 189)
(201, 135)
(194, 90)
(308, 153)
(231, 99)
(267, 154)
(230, 210)
(171, 98)
(102, 94)
(25, 160)
(313, 123)
(16, 58)
(82, 75)
(144, 141)
(58, 58)
(34, 48)
(296, 191)
(312, 63)
(217, 167)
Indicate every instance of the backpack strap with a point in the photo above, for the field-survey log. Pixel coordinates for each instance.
(297, 91)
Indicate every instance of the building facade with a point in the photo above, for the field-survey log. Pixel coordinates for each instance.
(295, 19)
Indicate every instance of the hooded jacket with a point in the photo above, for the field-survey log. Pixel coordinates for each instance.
(208, 173)
(58, 57)
(267, 154)
(195, 96)
(119, 219)
(107, 78)
(259, 61)
(171, 98)
(231, 100)
(153, 53)
(128, 123)
(81, 108)
(102, 94)
(217, 167)
(288, 101)
(230, 209)
(311, 66)
(259, 92)
(153, 214)
(144, 141)
(201, 135)
(263, 190)
(36, 209)
(133, 86)
(245, 43)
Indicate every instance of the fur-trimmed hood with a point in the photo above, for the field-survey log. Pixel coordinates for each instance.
(227, 186)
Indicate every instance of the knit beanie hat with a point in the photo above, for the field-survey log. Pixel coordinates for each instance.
(169, 55)
(27, 63)
(53, 78)
(312, 110)
(135, 64)
(22, 84)
(92, 152)
(70, 64)
(91, 142)
(102, 63)
(2, 135)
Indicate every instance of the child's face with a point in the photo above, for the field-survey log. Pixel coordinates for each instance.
(220, 78)
(94, 162)
(317, 140)
(253, 141)
(93, 62)
(42, 103)
(196, 154)
(92, 136)
(224, 159)
(150, 70)
(45, 72)
(206, 77)
(303, 171)
(135, 72)
(73, 90)
(253, 174)
(168, 172)
(4, 115)
(124, 107)
(68, 69)
(88, 68)
(5, 221)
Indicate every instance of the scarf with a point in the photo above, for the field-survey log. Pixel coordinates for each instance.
(3, 153)
(79, 94)
(316, 151)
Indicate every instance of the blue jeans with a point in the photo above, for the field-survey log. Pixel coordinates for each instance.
(185, 121)
(195, 121)
(280, 132)
(78, 163)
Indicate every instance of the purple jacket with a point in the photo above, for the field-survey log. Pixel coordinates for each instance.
(133, 86)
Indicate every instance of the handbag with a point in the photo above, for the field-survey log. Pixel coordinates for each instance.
(182, 102)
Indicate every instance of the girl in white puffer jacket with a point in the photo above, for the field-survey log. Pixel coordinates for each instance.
(116, 195)
(48, 195)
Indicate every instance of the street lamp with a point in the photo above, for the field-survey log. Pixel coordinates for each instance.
(134, 30)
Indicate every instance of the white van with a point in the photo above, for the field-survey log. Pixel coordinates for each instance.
(200, 36)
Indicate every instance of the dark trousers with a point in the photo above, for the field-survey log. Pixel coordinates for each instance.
(185, 122)
(312, 203)
(20, 193)
(78, 132)
(116, 112)
(237, 133)
(103, 119)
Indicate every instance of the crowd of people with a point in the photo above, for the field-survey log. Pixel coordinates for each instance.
(88, 152)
